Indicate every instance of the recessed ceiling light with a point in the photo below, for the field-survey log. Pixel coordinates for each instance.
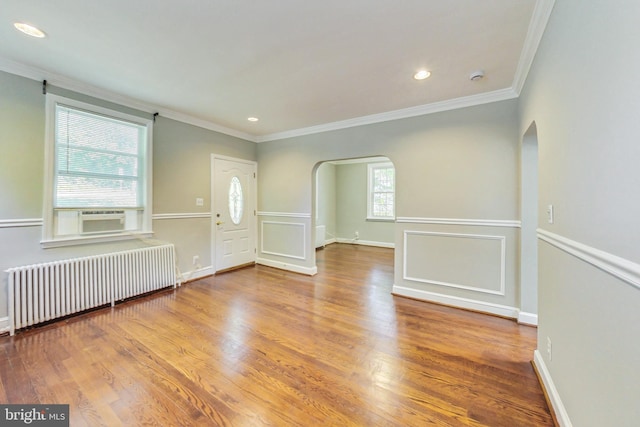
(29, 30)
(253, 119)
(421, 75)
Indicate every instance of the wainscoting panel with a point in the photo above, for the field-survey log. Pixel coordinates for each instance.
(473, 262)
(284, 239)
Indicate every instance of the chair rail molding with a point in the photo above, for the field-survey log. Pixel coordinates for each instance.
(461, 221)
(21, 222)
(186, 215)
(623, 269)
(285, 214)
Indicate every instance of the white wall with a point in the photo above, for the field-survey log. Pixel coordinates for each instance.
(583, 93)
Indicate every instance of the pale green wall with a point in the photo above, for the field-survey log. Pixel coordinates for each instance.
(21, 147)
(351, 205)
(326, 200)
(181, 172)
(454, 164)
(583, 93)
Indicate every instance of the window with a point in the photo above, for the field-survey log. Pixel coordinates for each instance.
(381, 191)
(98, 172)
(236, 200)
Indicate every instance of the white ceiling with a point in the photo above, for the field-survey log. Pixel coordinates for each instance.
(296, 65)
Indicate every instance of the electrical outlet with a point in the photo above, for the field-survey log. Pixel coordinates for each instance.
(196, 259)
(357, 235)
(549, 352)
(199, 201)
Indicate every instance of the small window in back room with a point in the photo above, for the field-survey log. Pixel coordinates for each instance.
(381, 191)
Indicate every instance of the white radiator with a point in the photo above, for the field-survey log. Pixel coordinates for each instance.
(42, 292)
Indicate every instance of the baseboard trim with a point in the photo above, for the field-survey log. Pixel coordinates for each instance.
(550, 389)
(365, 243)
(289, 267)
(4, 325)
(469, 304)
(192, 275)
(525, 318)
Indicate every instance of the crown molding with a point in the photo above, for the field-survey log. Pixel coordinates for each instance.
(375, 159)
(540, 17)
(420, 110)
(68, 83)
(537, 25)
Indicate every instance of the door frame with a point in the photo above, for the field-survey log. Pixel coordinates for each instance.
(253, 201)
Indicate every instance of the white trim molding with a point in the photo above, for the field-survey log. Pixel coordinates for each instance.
(86, 240)
(420, 110)
(23, 222)
(620, 268)
(503, 261)
(364, 243)
(309, 271)
(459, 302)
(525, 318)
(189, 276)
(537, 25)
(4, 325)
(285, 214)
(554, 397)
(459, 221)
(181, 215)
(64, 82)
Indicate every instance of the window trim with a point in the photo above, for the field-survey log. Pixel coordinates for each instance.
(370, 168)
(49, 239)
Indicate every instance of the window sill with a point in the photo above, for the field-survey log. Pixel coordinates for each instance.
(87, 240)
(374, 219)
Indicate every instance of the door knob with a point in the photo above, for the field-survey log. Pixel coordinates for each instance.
(219, 222)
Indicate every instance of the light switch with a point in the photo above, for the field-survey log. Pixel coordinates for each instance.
(199, 201)
(550, 214)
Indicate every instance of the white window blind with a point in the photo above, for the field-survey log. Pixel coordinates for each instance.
(99, 161)
(98, 170)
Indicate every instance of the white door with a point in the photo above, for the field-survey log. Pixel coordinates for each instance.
(233, 212)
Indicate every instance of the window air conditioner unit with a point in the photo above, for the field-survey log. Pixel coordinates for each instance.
(102, 221)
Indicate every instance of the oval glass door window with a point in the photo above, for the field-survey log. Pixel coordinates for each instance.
(236, 200)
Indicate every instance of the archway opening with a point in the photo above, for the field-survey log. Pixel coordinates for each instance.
(354, 202)
(529, 220)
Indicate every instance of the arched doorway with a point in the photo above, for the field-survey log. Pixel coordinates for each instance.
(529, 218)
(341, 204)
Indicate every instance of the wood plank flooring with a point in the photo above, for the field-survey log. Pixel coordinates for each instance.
(260, 346)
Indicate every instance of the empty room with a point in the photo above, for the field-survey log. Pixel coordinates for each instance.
(335, 213)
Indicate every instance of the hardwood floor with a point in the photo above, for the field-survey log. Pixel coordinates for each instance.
(260, 346)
